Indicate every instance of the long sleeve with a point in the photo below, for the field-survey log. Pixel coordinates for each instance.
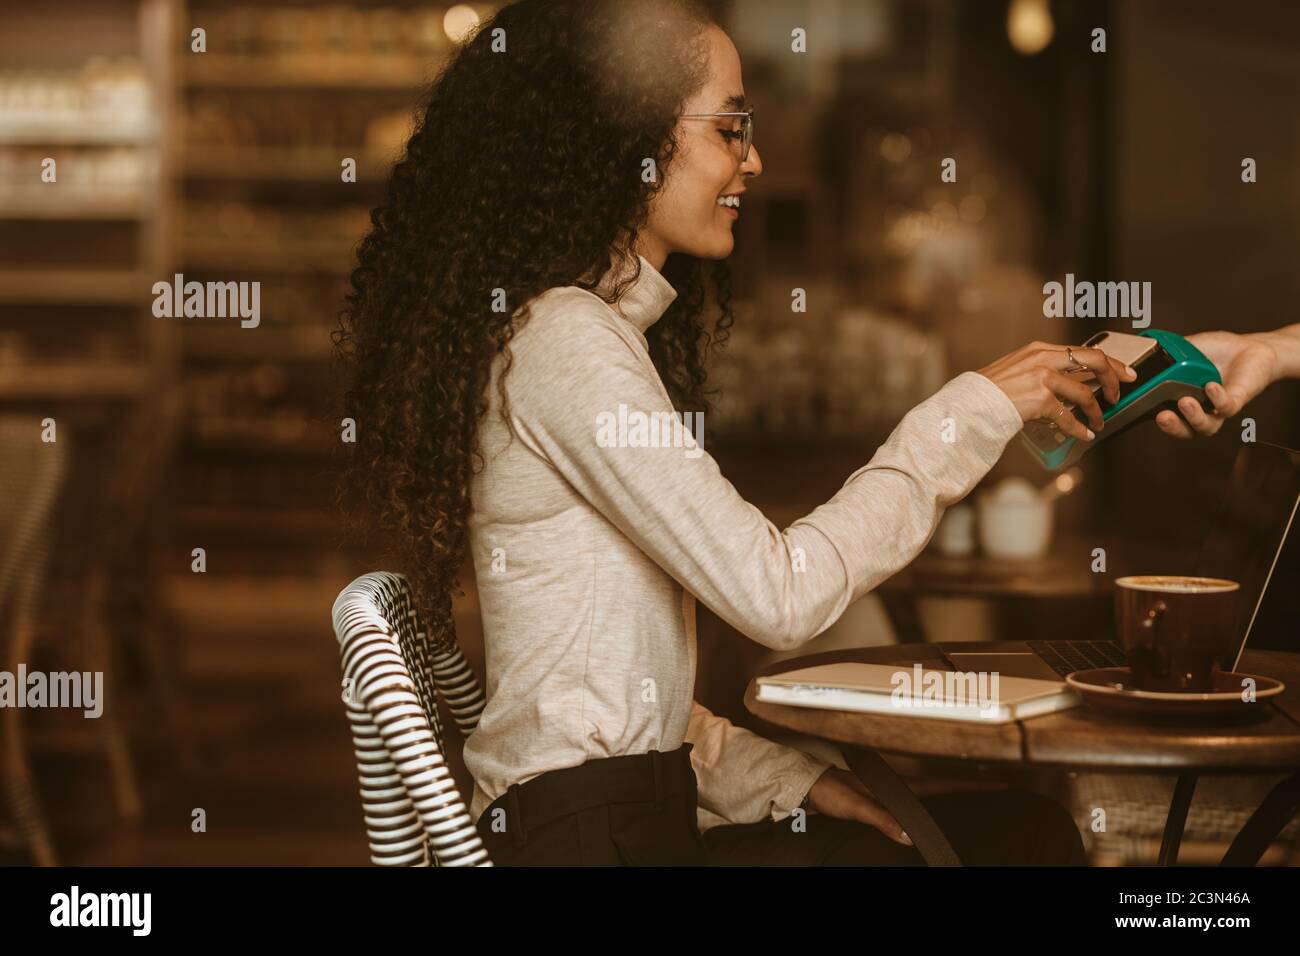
(780, 588)
(743, 777)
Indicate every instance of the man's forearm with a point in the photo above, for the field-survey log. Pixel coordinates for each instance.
(1286, 344)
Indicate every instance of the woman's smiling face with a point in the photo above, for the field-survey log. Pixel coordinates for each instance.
(689, 214)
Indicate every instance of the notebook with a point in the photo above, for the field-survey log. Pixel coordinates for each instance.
(900, 690)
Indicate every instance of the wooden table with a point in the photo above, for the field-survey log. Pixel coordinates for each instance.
(1078, 739)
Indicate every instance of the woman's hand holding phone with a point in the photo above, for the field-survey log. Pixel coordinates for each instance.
(1034, 378)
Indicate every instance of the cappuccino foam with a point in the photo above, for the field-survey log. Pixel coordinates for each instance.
(1178, 585)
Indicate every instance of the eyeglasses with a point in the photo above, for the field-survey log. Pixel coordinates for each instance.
(745, 133)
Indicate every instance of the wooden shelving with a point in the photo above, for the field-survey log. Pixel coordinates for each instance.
(71, 286)
(290, 437)
(216, 71)
(289, 164)
(261, 185)
(241, 519)
(296, 256)
(105, 115)
(35, 205)
(73, 381)
(247, 188)
(266, 343)
(60, 135)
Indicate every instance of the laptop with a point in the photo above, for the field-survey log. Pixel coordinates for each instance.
(1247, 540)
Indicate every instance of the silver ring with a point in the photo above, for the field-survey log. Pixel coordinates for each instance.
(1062, 411)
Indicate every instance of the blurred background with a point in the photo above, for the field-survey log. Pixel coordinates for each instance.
(182, 434)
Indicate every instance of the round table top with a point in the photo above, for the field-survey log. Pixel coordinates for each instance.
(1079, 738)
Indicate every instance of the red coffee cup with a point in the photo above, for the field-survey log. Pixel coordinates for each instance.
(1178, 632)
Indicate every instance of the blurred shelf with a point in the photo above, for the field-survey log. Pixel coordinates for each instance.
(271, 436)
(34, 205)
(87, 134)
(43, 284)
(282, 163)
(72, 380)
(233, 604)
(268, 73)
(240, 519)
(288, 256)
(266, 343)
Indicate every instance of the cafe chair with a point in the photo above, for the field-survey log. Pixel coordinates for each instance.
(393, 674)
(31, 477)
(1138, 807)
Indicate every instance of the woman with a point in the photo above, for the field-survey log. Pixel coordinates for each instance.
(536, 272)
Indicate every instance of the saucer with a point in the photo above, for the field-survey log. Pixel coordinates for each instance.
(1113, 689)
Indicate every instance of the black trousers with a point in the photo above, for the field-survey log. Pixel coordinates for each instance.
(640, 810)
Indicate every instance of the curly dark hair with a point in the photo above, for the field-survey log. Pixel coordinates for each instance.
(524, 173)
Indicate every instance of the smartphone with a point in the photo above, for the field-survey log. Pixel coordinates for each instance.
(1132, 350)
(1126, 348)
(1140, 352)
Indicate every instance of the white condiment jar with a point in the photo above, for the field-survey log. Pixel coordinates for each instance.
(1015, 521)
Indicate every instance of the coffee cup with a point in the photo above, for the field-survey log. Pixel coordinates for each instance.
(1178, 632)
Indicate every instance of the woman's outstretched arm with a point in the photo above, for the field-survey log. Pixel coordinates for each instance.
(582, 380)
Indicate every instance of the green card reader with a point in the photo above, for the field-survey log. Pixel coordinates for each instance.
(1168, 367)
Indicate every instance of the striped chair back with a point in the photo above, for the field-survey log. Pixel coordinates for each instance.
(392, 674)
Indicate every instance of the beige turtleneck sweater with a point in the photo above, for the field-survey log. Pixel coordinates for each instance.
(591, 551)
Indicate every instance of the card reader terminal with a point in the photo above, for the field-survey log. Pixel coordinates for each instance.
(1168, 367)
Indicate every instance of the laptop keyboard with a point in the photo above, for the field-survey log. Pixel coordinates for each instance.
(1066, 657)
